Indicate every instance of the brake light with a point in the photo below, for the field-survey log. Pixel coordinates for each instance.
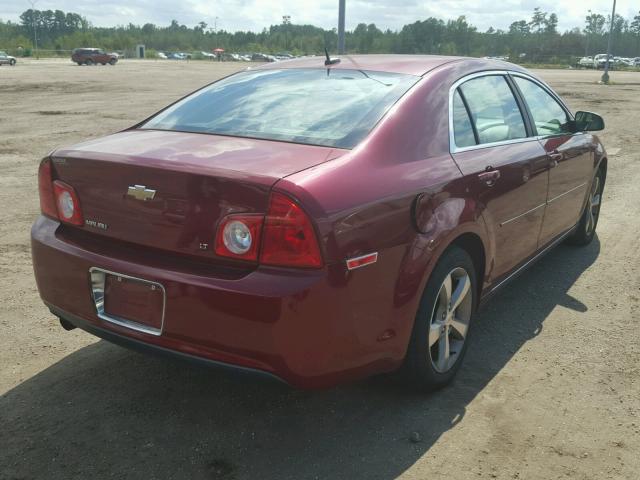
(238, 236)
(288, 238)
(67, 203)
(45, 188)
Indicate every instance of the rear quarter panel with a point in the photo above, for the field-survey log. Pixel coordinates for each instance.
(399, 193)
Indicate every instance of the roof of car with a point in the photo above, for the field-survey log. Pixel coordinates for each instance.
(409, 64)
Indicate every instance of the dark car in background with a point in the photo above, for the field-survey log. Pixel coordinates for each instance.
(318, 221)
(93, 56)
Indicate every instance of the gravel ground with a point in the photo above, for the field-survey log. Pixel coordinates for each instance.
(549, 390)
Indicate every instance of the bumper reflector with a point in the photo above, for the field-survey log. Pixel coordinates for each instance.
(362, 261)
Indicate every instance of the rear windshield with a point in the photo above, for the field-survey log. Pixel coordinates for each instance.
(336, 108)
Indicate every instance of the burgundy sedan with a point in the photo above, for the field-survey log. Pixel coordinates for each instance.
(318, 222)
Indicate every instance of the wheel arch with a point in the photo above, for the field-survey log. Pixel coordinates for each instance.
(474, 246)
(424, 254)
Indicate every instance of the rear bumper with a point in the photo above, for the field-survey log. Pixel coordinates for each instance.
(312, 329)
(155, 349)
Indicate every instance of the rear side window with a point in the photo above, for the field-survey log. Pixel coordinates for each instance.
(336, 108)
(462, 128)
(549, 117)
(493, 108)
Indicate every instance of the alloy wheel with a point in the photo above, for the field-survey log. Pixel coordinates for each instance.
(450, 320)
(593, 209)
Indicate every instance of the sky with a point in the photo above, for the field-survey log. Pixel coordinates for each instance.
(232, 15)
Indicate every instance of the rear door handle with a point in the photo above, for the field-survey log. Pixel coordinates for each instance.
(555, 157)
(490, 177)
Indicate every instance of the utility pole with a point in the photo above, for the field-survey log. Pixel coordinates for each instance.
(286, 21)
(341, 11)
(34, 25)
(605, 75)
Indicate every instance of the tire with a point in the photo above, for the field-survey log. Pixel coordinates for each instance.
(438, 329)
(102, 63)
(112, 61)
(89, 62)
(12, 62)
(586, 229)
(79, 64)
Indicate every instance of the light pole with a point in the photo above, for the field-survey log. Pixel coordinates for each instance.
(341, 12)
(605, 75)
(33, 24)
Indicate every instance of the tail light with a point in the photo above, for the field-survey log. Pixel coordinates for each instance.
(45, 187)
(239, 236)
(57, 199)
(67, 203)
(288, 238)
(286, 233)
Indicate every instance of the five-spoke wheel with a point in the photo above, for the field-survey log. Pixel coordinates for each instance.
(450, 320)
(442, 325)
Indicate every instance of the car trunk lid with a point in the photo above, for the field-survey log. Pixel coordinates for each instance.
(169, 190)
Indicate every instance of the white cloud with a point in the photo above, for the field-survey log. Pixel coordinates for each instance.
(257, 14)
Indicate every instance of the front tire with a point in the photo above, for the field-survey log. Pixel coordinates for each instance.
(441, 330)
(586, 229)
(12, 62)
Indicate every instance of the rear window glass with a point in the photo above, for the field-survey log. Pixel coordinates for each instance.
(335, 108)
(462, 128)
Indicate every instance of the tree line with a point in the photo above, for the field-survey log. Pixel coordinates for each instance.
(531, 40)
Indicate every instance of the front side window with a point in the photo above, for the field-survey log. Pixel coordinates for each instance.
(549, 117)
(335, 108)
(493, 108)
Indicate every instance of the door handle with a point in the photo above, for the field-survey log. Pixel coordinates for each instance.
(490, 177)
(555, 157)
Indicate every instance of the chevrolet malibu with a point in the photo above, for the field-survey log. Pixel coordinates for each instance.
(318, 221)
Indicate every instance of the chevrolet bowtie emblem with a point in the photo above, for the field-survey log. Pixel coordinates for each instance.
(141, 192)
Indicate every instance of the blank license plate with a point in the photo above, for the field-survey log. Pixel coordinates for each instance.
(134, 300)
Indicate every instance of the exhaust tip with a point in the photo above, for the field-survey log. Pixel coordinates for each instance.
(66, 324)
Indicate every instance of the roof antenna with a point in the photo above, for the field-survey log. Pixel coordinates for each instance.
(329, 60)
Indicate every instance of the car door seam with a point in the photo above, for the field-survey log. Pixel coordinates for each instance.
(523, 214)
(566, 193)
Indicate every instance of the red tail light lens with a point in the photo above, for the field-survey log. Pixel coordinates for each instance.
(67, 203)
(288, 236)
(238, 236)
(45, 187)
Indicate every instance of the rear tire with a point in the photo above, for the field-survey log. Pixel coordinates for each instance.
(586, 229)
(112, 61)
(79, 64)
(441, 330)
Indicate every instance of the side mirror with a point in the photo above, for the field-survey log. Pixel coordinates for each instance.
(589, 122)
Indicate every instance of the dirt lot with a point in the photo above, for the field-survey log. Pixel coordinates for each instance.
(550, 387)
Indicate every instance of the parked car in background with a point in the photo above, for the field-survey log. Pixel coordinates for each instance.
(7, 59)
(262, 57)
(179, 56)
(280, 220)
(600, 60)
(586, 62)
(162, 55)
(93, 56)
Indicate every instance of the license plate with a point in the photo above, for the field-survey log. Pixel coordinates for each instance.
(128, 301)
